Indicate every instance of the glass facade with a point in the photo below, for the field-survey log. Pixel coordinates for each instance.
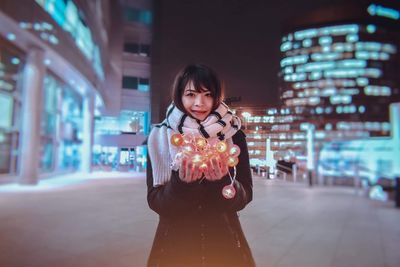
(339, 75)
(129, 122)
(344, 73)
(49, 122)
(71, 125)
(64, 88)
(71, 19)
(61, 126)
(11, 65)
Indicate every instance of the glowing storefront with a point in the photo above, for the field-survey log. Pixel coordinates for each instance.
(68, 100)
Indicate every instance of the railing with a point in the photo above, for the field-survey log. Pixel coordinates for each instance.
(287, 173)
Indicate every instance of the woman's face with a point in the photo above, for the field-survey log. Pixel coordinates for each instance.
(197, 104)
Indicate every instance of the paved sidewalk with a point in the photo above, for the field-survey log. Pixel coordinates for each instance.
(105, 222)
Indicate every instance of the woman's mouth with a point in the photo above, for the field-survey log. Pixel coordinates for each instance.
(198, 112)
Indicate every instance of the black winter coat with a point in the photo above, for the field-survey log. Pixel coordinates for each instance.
(198, 226)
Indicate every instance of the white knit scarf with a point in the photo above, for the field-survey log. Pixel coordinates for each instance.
(220, 124)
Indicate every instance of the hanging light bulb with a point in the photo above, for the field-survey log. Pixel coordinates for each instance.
(188, 148)
(232, 161)
(197, 158)
(203, 167)
(234, 151)
(201, 152)
(200, 142)
(187, 138)
(221, 146)
(177, 139)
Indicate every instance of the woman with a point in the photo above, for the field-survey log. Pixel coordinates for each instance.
(198, 225)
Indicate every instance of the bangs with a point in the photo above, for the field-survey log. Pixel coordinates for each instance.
(202, 81)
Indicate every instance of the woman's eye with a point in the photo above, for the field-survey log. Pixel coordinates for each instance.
(208, 95)
(189, 94)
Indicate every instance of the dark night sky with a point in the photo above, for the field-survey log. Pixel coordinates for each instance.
(239, 39)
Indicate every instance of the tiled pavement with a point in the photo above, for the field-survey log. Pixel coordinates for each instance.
(105, 222)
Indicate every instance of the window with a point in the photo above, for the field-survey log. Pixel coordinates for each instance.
(71, 19)
(131, 48)
(143, 85)
(6, 110)
(129, 82)
(139, 49)
(11, 65)
(137, 15)
(72, 127)
(50, 115)
(145, 50)
(135, 83)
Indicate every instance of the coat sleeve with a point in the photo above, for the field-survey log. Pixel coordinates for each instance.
(174, 197)
(243, 182)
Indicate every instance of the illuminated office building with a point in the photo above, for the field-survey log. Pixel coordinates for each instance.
(61, 70)
(279, 124)
(339, 74)
(340, 64)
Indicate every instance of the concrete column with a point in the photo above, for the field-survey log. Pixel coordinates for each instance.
(88, 133)
(32, 88)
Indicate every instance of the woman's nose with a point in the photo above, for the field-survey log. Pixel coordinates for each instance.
(199, 100)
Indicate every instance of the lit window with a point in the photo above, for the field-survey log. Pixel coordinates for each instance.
(138, 15)
(71, 19)
(351, 38)
(307, 42)
(325, 40)
(371, 28)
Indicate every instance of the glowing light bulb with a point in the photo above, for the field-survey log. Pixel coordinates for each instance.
(203, 167)
(232, 161)
(197, 158)
(187, 138)
(177, 139)
(202, 152)
(201, 142)
(234, 151)
(221, 146)
(188, 148)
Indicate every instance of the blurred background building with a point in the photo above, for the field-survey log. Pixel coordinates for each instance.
(74, 86)
(339, 74)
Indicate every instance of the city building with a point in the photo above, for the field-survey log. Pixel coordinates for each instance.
(339, 75)
(61, 72)
(121, 130)
(340, 64)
